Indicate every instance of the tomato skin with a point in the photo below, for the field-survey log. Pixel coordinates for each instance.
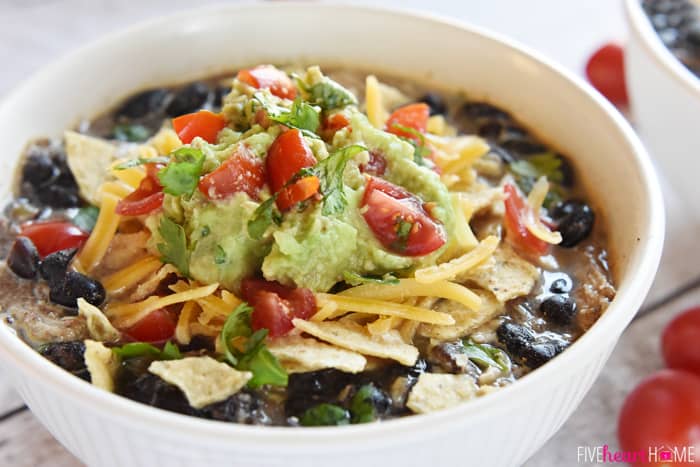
(243, 171)
(52, 236)
(269, 77)
(275, 305)
(412, 116)
(606, 72)
(680, 341)
(376, 165)
(157, 326)
(334, 123)
(385, 206)
(288, 154)
(663, 410)
(298, 191)
(147, 198)
(203, 123)
(516, 210)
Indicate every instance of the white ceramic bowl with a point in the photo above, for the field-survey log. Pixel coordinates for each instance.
(500, 429)
(665, 101)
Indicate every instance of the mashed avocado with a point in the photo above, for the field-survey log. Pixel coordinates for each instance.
(306, 247)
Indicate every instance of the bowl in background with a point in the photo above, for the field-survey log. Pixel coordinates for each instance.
(500, 429)
(665, 104)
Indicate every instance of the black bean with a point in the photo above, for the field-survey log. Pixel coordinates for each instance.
(150, 389)
(219, 94)
(540, 353)
(75, 286)
(39, 170)
(306, 390)
(67, 355)
(562, 284)
(506, 156)
(58, 196)
(436, 103)
(559, 309)
(490, 130)
(188, 99)
(516, 337)
(523, 147)
(693, 36)
(477, 110)
(53, 267)
(567, 171)
(242, 407)
(450, 357)
(23, 258)
(574, 221)
(144, 103)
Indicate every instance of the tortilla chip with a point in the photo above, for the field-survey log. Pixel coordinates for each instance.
(98, 325)
(352, 336)
(466, 320)
(203, 379)
(150, 285)
(482, 196)
(435, 392)
(89, 159)
(505, 274)
(102, 364)
(301, 355)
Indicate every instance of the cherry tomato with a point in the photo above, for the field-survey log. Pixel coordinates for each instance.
(274, 305)
(52, 236)
(243, 171)
(399, 220)
(376, 165)
(148, 197)
(288, 154)
(662, 412)
(680, 342)
(334, 123)
(413, 116)
(204, 124)
(269, 77)
(606, 72)
(157, 326)
(516, 210)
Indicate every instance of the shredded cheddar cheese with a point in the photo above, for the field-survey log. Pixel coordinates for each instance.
(453, 268)
(379, 307)
(103, 233)
(132, 275)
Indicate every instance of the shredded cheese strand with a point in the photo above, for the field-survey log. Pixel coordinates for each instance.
(453, 268)
(131, 275)
(183, 332)
(98, 243)
(380, 307)
(533, 222)
(376, 114)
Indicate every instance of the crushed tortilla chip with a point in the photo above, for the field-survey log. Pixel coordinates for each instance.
(352, 336)
(299, 355)
(97, 323)
(102, 364)
(89, 159)
(505, 274)
(203, 379)
(466, 320)
(435, 392)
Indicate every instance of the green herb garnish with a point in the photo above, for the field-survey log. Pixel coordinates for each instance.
(174, 247)
(131, 132)
(330, 172)
(325, 415)
(486, 355)
(420, 148)
(403, 231)
(181, 176)
(302, 116)
(141, 349)
(327, 94)
(354, 278)
(363, 405)
(527, 171)
(264, 216)
(220, 255)
(141, 161)
(86, 218)
(245, 350)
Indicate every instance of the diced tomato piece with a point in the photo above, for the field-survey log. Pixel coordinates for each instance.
(243, 171)
(269, 77)
(52, 236)
(147, 198)
(413, 116)
(204, 124)
(335, 122)
(157, 326)
(606, 72)
(516, 210)
(275, 305)
(288, 154)
(399, 220)
(376, 165)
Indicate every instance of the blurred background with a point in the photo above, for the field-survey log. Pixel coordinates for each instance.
(35, 32)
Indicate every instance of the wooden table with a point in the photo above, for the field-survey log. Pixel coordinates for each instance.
(34, 31)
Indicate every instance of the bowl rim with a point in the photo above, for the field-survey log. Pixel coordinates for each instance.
(641, 26)
(614, 320)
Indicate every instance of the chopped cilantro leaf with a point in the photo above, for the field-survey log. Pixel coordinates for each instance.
(328, 94)
(325, 415)
(420, 148)
(174, 247)
(403, 230)
(365, 403)
(354, 278)
(330, 172)
(486, 355)
(86, 218)
(205, 231)
(301, 116)
(141, 161)
(142, 349)
(264, 216)
(131, 132)
(181, 176)
(245, 350)
(527, 171)
(220, 255)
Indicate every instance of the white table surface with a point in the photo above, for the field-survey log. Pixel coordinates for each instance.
(35, 32)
